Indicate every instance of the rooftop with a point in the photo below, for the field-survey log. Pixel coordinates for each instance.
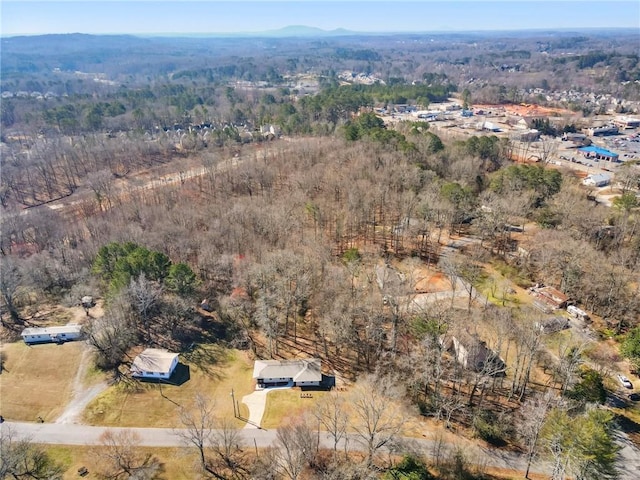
(302, 370)
(71, 327)
(598, 150)
(153, 360)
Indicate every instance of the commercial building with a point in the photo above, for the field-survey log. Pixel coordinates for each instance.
(599, 153)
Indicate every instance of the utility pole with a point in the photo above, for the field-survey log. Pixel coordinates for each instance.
(233, 399)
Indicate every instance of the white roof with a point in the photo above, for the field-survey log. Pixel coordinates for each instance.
(57, 330)
(302, 370)
(153, 360)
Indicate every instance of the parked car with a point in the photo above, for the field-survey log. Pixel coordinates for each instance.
(624, 381)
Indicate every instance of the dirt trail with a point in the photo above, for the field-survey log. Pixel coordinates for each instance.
(82, 394)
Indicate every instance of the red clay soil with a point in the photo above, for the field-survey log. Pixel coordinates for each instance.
(432, 281)
(527, 110)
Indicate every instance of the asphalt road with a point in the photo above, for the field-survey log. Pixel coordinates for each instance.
(71, 434)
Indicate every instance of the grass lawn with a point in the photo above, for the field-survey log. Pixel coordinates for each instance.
(38, 380)
(213, 372)
(284, 404)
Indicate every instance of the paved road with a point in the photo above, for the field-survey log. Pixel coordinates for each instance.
(68, 434)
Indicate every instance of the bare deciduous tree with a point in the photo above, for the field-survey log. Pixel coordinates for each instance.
(21, 459)
(533, 415)
(216, 440)
(297, 446)
(119, 457)
(331, 414)
(378, 416)
(10, 282)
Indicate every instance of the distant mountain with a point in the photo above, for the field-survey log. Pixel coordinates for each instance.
(305, 31)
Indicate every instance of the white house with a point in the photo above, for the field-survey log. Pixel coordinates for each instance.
(59, 334)
(597, 180)
(154, 363)
(300, 373)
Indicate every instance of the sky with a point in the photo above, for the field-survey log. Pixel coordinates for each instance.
(26, 17)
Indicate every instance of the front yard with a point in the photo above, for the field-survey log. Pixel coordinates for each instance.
(212, 372)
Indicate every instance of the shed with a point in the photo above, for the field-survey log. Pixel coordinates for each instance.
(58, 334)
(301, 372)
(154, 363)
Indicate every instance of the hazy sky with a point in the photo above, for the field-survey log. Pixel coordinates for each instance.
(212, 16)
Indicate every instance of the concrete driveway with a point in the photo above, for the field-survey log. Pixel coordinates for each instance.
(257, 402)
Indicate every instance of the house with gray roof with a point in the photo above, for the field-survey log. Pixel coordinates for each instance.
(299, 373)
(154, 363)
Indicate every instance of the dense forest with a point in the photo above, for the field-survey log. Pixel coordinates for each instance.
(245, 172)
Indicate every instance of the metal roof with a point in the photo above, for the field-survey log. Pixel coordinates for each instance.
(598, 150)
(56, 330)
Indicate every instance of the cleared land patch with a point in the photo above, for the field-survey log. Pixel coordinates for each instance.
(37, 381)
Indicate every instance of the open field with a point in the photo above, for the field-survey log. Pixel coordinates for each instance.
(212, 371)
(38, 380)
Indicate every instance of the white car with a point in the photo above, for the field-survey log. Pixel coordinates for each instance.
(624, 381)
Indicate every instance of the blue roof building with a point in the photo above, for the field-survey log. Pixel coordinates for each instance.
(599, 153)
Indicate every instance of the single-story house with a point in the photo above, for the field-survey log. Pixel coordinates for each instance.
(597, 180)
(58, 334)
(550, 297)
(154, 363)
(300, 373)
